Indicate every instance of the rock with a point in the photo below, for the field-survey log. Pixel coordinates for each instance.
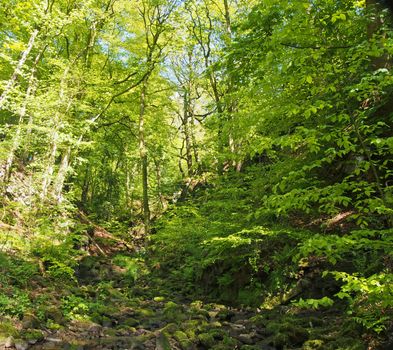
(174, 312)
(9, 342)
(183, 340)
(162, 342)
(170, 328)
(246, 338)
(131, 322)
(30, 321)
(50, 346)
(225, 315)
(206, 339)
(313, 344)
(54, 340)
(55, 314)
(257, 347)
(106, 322)
(2, 341)
(159, 299)
(32, 336)
(21, 344)
(236, 329)
(84, 326)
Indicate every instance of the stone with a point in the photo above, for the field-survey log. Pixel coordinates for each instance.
(313, 344)
(9, 342)
(131, 322)
(162, 342)
(206, 339)
(169, 328)
(236, 329)
(246, 338)
(55, 314)
(30, 321)
(159, 299)
(21, 344)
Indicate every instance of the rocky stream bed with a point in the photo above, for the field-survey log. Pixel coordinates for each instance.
(104, 311)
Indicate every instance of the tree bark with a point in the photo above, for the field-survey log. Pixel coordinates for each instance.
(18, 69)
(22, 114)
(143, 156)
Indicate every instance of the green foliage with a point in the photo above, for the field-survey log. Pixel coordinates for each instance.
(314, 303)
(14, 302)
(75, 307)
(370, 298)
(267, 122)
(134, 266)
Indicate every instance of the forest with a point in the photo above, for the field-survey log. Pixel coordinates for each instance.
(196, 174)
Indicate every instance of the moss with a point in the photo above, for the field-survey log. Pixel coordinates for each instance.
(259, 320)
(33, 334)
(131, 322)
(170, 328)
(206, 339)
(159, 299)
(217, 333)
(183, 340)
(146, 312)
(314, 344)
(345, 344)
(286, 333)
(229, 342)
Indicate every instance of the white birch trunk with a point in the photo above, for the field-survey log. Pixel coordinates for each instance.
(18, 68)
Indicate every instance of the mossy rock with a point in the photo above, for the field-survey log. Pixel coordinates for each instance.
(216, 307)
(196, 304)
(31, 321)
(33, 334)
(162, 342)
(218, 334)
(229, 342)
(279, 340)
(104, 321)
(54, 313)
(174, 312)
(170, 328)
(193, 324)
(345, 344)
(312, 321)
(314, 344)
(146, 312)
(110, 332)
(171, 305)
(159, 299)
(124, 329)
(189, 328)
(259, 320)
(206, 339)
(250, 347)
(183, 340)
(225, 314)
(286, 334)
(131, 322)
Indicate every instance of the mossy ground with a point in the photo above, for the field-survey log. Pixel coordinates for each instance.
(105, 309)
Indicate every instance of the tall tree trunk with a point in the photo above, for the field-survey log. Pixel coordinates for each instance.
(61, 175)
(48, 173)
(143, 156)
(18, 69)
(187, 131)
(31, 87)
(160, 197)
